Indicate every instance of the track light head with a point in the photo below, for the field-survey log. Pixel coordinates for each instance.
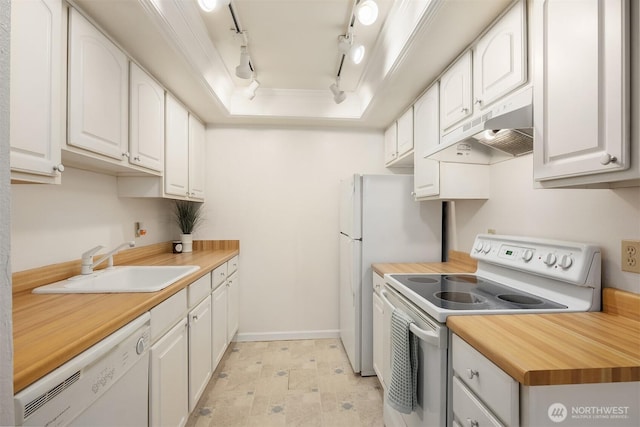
(250, 91)
(244, 70)
(212, 5)
(367, 12)
(344, 44)
(338, 95)
(357, 53)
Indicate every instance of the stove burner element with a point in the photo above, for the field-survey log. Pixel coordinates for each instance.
(520, 299)
(462, 278)
(460, 297)
(420, 279)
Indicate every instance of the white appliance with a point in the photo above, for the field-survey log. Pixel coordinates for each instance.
(106, 385)
(515, 275)
(379, 222)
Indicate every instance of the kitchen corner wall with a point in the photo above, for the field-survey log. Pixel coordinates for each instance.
(277, 191)
(57, 223)
(601, 216)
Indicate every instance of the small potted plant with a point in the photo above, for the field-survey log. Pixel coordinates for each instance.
(188, 216)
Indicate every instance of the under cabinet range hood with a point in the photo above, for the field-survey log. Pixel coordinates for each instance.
(501, 133)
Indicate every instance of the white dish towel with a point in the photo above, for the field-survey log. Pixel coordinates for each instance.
(402, 393)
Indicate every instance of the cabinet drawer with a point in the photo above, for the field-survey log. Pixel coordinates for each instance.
(165, 314)
(491, 384)
(198, 290)
(232, 265)
(378, 283)
(468, 410)
(219, 275)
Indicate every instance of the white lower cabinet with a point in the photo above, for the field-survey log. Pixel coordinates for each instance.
(483, 394)
(219, 323)
(233, 303)
(382, 310)
(200, 362)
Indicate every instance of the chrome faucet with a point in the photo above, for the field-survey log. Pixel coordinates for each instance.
(87, 258)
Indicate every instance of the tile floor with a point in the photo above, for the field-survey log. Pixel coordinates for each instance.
(288, 383)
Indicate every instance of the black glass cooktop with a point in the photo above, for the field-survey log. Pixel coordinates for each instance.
(470, 292)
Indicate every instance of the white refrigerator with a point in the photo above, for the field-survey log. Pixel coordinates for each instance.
(379, 222)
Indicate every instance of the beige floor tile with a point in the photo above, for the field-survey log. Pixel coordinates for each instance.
(288, 383)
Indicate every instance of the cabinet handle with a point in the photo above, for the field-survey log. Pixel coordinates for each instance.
(136, 159)
(472, 423)
(195, 317)
(478, 101)
(125, 154)
(464, 110)
(59, 168)
(472, 373)
(608, 158)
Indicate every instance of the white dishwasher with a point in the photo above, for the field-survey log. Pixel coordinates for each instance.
(106, 385)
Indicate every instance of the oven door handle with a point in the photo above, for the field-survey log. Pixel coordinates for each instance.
(430, 337)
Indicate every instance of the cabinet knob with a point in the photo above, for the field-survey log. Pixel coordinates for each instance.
(472, 423)
(59, 168)
(136, 159)
(464, 110)
(472, 373)
(478, 101)
(608, 158)
(125, 154)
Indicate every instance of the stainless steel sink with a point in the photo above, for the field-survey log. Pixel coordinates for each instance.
(120, 279)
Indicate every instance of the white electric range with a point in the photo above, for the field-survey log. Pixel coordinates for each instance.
(515, 275)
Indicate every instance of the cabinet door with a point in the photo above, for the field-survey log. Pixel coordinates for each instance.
(378, 319)
(386, 339)
(35, 119)
(219, 323)
(499, 62)
(200, 360)
(98, 91)
(176, 167)
(581, 116)
(146, 139)
(168, 383)
(391, 143)
(405, 133)
(426, 133)
(196, 159)
(455, 93)
(233, 306)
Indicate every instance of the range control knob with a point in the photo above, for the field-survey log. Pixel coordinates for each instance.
(478, 246)
(486, 247)
(565, 261)
(140, 346)
(527, 255)
(550, 259)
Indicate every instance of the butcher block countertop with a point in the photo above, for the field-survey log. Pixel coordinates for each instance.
(549, 349)
(50, 329)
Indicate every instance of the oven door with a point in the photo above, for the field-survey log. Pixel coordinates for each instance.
(432, 367)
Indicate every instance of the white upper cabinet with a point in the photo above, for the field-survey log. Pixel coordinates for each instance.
(98, 91)
(391, 143)
(35, 111)
(426, 133)
(196, 159)
(499, 62)
(456, 92)
(176, 172)
(582, 91)
(146, 131)
(405, 133)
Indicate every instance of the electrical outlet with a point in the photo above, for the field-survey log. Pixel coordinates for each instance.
(631, 256)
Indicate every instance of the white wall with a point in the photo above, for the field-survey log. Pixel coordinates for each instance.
(6, 336)
(56, 223)
(277, 191)
(601, 216)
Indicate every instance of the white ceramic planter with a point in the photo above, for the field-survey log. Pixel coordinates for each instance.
(187, 242)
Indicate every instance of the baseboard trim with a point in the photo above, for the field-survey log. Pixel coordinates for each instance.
(283, 336)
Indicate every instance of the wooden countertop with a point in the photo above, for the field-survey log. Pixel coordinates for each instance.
(565, 348)
(49, 330)
(549, 349)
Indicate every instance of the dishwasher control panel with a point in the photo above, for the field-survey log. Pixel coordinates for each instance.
(58, 398)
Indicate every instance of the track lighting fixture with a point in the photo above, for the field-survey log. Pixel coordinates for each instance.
(250, 91)
(357, 53)
(212, 5)
(367, 12)
(244, 70)
(347, 47)
(338, 95)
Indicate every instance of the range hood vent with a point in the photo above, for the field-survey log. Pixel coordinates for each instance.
(504, 132)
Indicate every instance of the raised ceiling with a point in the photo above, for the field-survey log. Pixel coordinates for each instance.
(293, 47)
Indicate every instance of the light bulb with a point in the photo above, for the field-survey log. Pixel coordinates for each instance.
(357, 53)
(367, 12)
(211, 5)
